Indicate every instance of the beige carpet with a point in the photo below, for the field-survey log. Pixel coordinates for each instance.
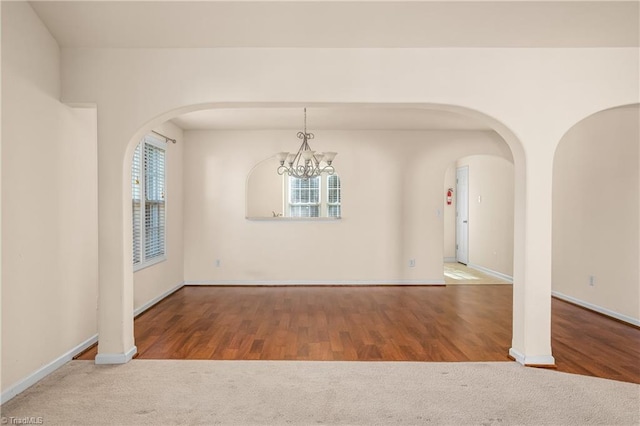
(303, 393)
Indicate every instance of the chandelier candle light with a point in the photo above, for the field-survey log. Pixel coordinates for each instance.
(305, 163)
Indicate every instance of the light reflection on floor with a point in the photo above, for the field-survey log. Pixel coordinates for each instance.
(457, 273)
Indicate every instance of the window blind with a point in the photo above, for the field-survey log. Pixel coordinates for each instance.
(334, 196)
(148, 201)
(154, 219)
(136, 194)
(304, 197)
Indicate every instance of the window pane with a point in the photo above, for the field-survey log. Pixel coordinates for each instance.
(154, 168)
(154, 230)
(334, 196)
(304, 211)
(333, 186)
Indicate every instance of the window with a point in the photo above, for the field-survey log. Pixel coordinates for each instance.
(305, 197)
(333, 196)
(148, 202)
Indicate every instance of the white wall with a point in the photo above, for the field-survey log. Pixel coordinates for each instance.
(490, 212)
(530, 96)
(151, 282)
(596, 213)
(391, 207)
(49, 204)
(265, 190)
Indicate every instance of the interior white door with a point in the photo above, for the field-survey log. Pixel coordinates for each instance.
(462, 215)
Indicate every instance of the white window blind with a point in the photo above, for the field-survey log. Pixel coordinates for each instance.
(136, 193)
(334, 196)
(304, 197)
(148, 193)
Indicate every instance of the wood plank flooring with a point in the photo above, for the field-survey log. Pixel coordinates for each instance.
(391, 323)
(588, 343)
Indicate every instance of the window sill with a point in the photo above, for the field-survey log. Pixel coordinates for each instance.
(148, 263)
(294, 219)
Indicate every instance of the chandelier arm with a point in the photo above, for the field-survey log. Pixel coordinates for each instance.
(284, 169)
(328, 170)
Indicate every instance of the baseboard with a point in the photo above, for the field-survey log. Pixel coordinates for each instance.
(491, 272)
(116, 358)
(157, 299)
(450, 260)
(532, 361)
(43, 372)
(596, 308)
(307, 282)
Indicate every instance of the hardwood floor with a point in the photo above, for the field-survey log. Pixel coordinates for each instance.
(452, 323)
(585, 342)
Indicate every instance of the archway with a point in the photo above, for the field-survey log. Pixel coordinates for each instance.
(595, 213)
(512, 141)
(595, 263)
(489, 215)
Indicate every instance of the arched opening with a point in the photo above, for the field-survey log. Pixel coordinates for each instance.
(478, 217)
(401, 270)
(596, 188)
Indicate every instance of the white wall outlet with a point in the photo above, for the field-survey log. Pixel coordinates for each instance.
(217, 263)
(592, 281)
(412, 263)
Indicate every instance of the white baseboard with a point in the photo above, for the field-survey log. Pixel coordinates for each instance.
(540, 360)
(450, 260)
(157, 299)
(307, 282)
(116, 358)
(43, 372)
(596, 308)
(491, 272)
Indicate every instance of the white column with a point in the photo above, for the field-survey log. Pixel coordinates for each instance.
(115, 289)
(531, 343)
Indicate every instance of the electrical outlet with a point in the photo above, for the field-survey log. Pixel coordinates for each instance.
(592, 281)
(217, 263)
(412, 263)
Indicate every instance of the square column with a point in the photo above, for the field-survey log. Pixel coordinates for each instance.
(115, 301)
(531, 344)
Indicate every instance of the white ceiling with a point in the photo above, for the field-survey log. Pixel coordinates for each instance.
(318, 24)
(335, 118)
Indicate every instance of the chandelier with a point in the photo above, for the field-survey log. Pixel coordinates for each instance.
(306, 163)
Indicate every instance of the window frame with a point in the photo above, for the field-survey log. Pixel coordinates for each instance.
(144, 262)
